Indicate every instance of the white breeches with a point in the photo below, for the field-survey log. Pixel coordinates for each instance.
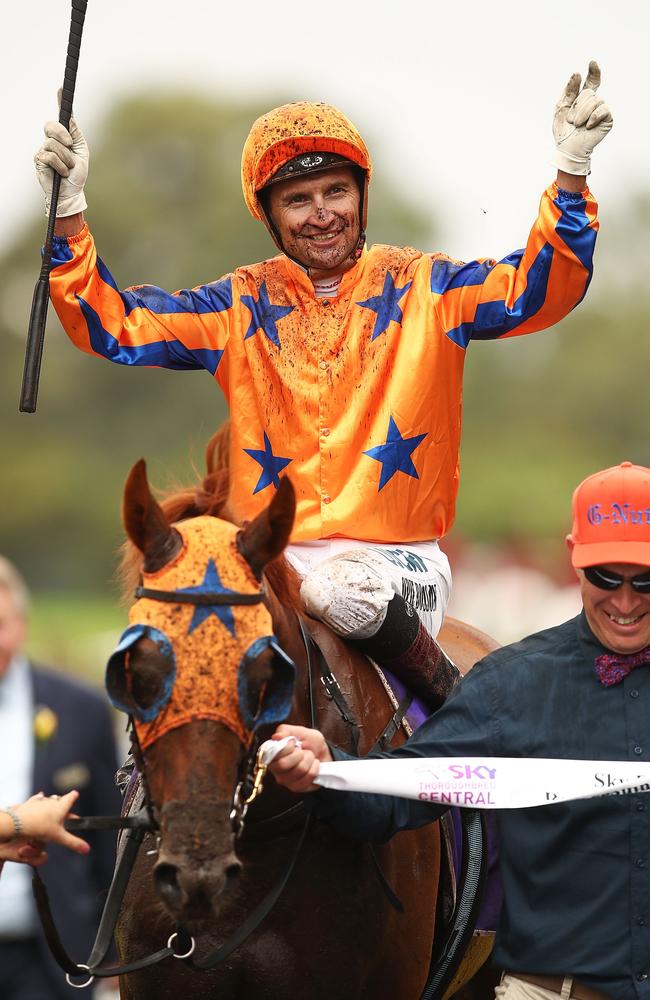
(348, 583)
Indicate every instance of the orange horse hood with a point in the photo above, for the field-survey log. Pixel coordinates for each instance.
(208, 641)
(288, 131)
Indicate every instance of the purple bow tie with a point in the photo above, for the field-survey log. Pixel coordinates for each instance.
(611, 668)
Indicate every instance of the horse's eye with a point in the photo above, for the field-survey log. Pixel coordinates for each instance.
(147, 671)
(265, 683)
(259, 672)
(140, 674)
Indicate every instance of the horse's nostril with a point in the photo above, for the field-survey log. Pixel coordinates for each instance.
(167, 884)
(232, 869)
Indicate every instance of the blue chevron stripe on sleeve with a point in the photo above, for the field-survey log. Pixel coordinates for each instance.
(161, 354)
(61, 252)
(214, 297)
(447, 274)
(573, 226)
(493, 319)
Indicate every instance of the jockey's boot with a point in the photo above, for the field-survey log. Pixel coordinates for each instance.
(403, 646)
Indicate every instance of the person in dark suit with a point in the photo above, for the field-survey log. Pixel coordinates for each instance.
(56, 735)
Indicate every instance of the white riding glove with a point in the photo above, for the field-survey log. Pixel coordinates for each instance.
(65, 152)
(581, 121)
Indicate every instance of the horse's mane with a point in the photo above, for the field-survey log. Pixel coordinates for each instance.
(208, 496)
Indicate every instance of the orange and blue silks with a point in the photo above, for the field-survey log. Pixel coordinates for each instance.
(358, 397)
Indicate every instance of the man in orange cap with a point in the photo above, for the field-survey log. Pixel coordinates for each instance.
(576, 875)
(610, 548)
(342, 365)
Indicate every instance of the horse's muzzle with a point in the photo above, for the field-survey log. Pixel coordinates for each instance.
(192, 894)
(196, 865)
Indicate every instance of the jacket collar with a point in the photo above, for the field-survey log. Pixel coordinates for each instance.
(302, 280)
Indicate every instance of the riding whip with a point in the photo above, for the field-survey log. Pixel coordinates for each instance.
(38, 316)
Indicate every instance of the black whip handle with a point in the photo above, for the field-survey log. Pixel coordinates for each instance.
(38, 315)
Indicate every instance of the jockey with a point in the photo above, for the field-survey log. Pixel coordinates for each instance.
(341, 363)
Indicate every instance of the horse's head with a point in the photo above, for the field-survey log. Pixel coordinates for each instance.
(198, 670)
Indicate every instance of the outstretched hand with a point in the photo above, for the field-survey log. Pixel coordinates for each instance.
(581, 121)
(41, 819)
(64, 152)
(297, 765)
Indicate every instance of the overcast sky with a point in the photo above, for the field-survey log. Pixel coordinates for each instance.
(455, 98)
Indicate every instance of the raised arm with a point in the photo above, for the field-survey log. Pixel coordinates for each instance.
(533, 288)
(144, 325)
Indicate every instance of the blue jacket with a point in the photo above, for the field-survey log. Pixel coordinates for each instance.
(81, 754)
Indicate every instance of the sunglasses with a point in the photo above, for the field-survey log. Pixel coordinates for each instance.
(607, 580)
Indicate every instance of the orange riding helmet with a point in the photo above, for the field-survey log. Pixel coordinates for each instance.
(291, 133)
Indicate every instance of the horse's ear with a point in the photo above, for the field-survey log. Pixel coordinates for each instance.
(267, 535)
(145, 521)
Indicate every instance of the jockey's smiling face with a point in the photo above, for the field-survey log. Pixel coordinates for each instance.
(620, 618)
(317, 219)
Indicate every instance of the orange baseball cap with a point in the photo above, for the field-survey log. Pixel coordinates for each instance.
(611, 517)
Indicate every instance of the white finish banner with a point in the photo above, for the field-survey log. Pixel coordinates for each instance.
(481, 782)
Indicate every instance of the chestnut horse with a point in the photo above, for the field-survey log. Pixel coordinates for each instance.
(353, 920)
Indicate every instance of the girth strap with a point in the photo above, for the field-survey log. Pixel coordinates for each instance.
(397, 718)
(334, 693)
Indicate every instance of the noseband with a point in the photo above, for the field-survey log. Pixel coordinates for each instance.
(182, 597)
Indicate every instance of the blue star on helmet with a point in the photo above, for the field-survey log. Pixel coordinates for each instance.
(395, 454)
(386, 305)
(272, 465)
(211, 585)
(264, 315)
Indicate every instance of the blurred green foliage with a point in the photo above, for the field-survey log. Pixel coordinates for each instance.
(166, 207)
(76, 631)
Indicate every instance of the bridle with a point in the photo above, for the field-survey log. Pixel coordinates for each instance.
(144, 821)
(252, 770)
(250, 784)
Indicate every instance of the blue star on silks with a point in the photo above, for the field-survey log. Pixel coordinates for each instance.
(264, 315)
(386, 305)
(395, 455)
(272, 465)
(211, 585)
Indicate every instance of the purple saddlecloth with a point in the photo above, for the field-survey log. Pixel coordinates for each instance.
(488, 917)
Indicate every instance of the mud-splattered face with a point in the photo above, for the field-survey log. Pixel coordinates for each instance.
(317, 220)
